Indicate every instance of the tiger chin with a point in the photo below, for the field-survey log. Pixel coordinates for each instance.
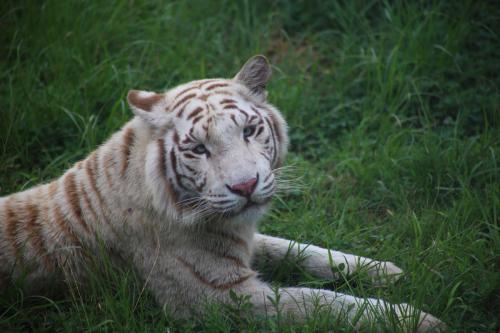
(179, 191)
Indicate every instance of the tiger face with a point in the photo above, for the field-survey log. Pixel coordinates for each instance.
(216, 146)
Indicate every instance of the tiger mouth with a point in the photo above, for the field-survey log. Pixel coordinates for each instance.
(251, 204)
(247, 207)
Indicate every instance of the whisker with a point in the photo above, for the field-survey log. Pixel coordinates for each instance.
(187, 201)
(220, 202)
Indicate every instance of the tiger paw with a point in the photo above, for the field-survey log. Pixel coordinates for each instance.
(384, 272)
(428, 323)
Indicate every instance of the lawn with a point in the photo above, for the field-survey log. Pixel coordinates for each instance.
(393, 108)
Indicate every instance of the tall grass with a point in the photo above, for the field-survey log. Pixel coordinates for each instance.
(393, 109)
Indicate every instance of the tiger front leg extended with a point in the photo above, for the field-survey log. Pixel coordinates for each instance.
(357, 313)
(321, 262)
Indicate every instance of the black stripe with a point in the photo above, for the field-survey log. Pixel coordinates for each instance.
(173, 160)
(274, 141)
(259, 131)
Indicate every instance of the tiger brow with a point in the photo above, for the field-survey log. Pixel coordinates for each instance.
(228, 101)
(188, 139)
(192, 135)
(195, 112)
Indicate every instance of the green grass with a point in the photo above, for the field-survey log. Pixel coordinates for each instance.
(393, 109)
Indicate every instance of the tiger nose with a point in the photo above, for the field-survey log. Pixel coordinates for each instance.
(244, 189)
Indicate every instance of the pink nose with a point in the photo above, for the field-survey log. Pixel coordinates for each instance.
(244, 189)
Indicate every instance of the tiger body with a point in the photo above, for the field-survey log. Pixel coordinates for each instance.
(103, 199)
(179, 191)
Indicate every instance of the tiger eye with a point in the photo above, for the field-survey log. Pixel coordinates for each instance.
(248, 131)
(200, 149)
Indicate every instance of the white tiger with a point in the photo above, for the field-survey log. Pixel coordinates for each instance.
(179, 190)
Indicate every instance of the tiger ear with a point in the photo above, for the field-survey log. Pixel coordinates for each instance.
(149, 106)
(255, 74)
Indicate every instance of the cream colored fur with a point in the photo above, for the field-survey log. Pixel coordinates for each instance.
(190, 238)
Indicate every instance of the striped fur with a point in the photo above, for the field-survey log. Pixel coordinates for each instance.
(162, 193)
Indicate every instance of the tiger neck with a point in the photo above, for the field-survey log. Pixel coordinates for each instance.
(118, 167)
(223, 239)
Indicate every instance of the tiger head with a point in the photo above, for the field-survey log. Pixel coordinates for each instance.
(215, 146)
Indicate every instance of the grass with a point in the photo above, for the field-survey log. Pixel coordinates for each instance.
(393, 109)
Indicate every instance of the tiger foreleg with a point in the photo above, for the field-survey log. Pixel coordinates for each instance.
(352, 311)
(323, 263)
